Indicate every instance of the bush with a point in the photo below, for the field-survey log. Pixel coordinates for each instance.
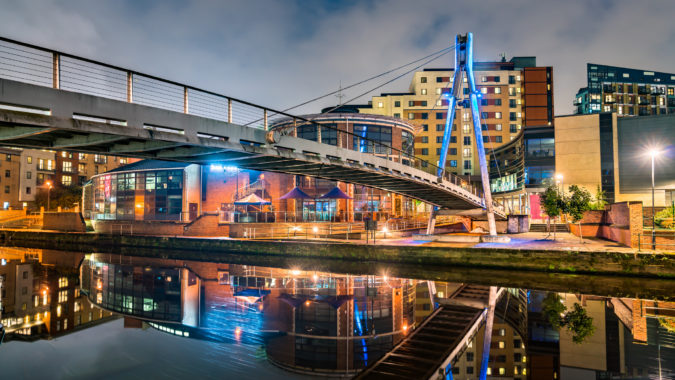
(576, 321)
(665, 218)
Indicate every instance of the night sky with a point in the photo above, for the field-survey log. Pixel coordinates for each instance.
(281, 53)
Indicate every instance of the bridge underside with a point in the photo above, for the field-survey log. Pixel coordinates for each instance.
(85, 123)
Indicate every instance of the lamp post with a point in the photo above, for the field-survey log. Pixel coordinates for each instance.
(653, 153)
(49, 189)
(559, 177)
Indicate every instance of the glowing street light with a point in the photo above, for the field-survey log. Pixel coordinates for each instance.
(49, 189)
(653, 153)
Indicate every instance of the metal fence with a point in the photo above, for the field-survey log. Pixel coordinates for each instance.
(46, 67)
(660, 240)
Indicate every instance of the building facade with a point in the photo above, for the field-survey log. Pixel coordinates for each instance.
(10, 162)
(627, 92)
(516, 94)
(604, 151)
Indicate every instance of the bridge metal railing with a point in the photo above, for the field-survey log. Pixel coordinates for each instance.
(42, 66)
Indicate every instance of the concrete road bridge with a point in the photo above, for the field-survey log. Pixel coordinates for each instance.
(54, 100)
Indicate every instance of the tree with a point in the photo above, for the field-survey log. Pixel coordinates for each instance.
(577, 204)
(576, 321)
(553, 204)
(600, 199)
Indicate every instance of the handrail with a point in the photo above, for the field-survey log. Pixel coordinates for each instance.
(146, 90)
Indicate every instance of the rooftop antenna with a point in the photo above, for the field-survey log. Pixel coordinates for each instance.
(503, 55)
(340, 95)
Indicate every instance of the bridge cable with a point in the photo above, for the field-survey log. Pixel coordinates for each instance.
(444, 51)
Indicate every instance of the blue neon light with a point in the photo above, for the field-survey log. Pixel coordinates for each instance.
(357, 319)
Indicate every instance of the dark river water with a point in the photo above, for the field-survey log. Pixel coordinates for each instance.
(69, 315)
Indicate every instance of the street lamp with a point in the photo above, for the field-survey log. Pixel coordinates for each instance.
(653, 153)
(559, 177)
(49, 189)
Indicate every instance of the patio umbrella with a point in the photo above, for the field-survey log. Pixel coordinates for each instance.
(336, 193)
(296, 193)
(252, 200)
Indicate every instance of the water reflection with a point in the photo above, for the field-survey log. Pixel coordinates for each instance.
(321, 323)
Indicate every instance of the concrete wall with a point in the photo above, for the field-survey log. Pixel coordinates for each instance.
(63, 221)
(502, 225)
(577, 150)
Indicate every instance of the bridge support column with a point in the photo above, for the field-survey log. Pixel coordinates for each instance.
(431, 225)
(487, 336)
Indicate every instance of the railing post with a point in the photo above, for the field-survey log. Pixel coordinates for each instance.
(185, 100)
(229, 110)
(295, 127)
(130, 87)
(318, 134)
(56, 70)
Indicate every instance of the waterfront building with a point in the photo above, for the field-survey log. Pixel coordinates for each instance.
(220, 195)
(627, 92)
(604, 151)
(37, 167)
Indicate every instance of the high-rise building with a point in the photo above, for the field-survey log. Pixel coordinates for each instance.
(628, 92)
(516, 95)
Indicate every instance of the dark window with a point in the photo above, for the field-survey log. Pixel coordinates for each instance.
(6, 189)
(512, 116)
(498, 102)
(466, 91)
(29, 175)
(423, 80)
(411, 103)
(439, 115)
(467, 140)
(8, 173)
(425, 115)
(469, 370)
(425, 127)
(440, 127)
(469, 356)
(498, 139)
(517, 344)
(453, 151)
(513, 128)
(396, 114)
(425, 151)
(512, 79)
(378, 133)
(425, 139)
(439, 79)
(439, 139)
(424, 103)
(453, 163)
(397, 103)
(512, 103)
(483, 115)
(438, 151)
(467, 164)
(28, 190)
(483, 127)
(453, 139)
(483, 102)
(496, 78)
(486, 139)
(9, 157)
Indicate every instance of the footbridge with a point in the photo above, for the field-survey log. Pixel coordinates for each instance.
(53, 100)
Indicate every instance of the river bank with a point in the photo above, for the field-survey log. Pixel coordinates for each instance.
(550, 261)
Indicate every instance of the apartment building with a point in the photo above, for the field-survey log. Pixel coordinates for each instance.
(515, 94)
(628, 92)
(10, 161)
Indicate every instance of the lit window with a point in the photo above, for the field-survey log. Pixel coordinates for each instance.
(489, 371)
(380, 105)
(63, 282)
(502, 370)
(483, 78)
(424, 91)
(63, 296)
(501, 345)
(502, 332)
(76, 307)
(498, 90)
(626, 75)
(438, 91)
(65, 323)
(466, 128)
(439, 102)
(466, 116)
(58, 311)
(512, 91)
(467, 152)
(483, 90)
(498, 127)
(518, 77)
(66, 180)
(498, 115)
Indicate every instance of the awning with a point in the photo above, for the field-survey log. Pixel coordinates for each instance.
(336, 193)
(296, 193)
(252, 199)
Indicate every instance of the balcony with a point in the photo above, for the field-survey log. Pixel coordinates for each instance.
(643, 91)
